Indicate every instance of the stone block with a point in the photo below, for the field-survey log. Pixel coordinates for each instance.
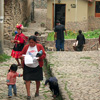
(24, 29)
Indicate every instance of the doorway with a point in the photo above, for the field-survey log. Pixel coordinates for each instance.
(59, 13)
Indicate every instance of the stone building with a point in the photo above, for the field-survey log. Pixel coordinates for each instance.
(16, 11)
(74, 14)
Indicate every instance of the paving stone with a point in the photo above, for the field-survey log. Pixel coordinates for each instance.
(78, 72)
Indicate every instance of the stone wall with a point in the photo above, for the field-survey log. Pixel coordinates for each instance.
(94, 23)
(40, 4)
(50, 45)
(48, 23)
(75, 26)
(83, 25)
(69, 44)
(15, 12)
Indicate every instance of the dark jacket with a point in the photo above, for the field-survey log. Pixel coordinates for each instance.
(81, 39)
(51, 81)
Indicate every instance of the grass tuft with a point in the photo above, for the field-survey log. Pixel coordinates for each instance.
(85, 57)
(4, 57)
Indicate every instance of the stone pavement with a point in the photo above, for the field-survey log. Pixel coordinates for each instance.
(78, 74)
(39, 17)
(45, 93)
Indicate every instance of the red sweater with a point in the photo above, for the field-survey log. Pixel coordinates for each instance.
(39, 47)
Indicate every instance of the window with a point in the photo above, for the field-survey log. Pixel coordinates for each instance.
(97, 9)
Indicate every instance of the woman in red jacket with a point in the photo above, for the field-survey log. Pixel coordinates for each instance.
(33, 72)
(19, 41)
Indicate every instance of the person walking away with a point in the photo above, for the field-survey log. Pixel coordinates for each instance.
(81, 41)
(19, 40)
(33, 71)
(59, 36)
(11, 80)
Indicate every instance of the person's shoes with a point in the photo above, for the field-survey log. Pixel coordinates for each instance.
(62, 49)
(28, 97)
(9, 96)
(15, 94)
(36, 94)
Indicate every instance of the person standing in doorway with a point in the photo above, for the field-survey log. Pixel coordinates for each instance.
(81, 41)
(59, 36)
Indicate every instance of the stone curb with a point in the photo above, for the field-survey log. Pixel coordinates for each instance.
(62, 91)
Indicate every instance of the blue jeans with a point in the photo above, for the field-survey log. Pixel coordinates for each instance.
(10, 89)
(59, 45)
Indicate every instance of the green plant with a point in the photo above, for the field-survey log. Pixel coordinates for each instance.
(42, 24)
(4, 57)
(13, 34)
(73, 35)
(85, 57)
(68, 92)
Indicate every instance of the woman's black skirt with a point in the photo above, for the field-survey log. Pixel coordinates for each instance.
(32, 74)
(18, 47)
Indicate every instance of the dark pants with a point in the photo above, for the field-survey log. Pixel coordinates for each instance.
(79, 47)
(54, 88)
(59, 45)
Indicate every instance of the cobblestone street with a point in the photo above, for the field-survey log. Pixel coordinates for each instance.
(40, 17)
(45, 93)
(78, 74)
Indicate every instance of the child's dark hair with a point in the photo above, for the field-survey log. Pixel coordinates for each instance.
(14, 67)
(36, 33)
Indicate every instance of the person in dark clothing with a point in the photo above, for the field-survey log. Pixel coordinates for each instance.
(81, 41)
(59, 36)
(53, 85)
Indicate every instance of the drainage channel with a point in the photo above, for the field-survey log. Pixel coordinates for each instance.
(48, 74)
